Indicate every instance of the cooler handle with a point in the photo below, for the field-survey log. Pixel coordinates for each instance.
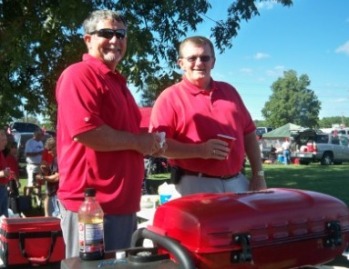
(37, 260)
(181, 255)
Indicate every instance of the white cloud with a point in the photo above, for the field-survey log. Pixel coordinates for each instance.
(341, 100)
(261, 55)
(246, 70)
(343, 48)
(218, 75)
(266, 4)
(277, 71)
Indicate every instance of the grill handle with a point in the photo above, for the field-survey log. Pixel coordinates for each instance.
(180, 254)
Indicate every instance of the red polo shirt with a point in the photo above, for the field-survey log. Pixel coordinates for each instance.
(90, 95)
(192, 115)
(3, 165)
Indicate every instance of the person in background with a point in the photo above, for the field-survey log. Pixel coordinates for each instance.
(99, 140)
(33, 152)
(49, 174)
(272, 154)
(11, 158)
(4, 175)
(192, 113)
(286, 151)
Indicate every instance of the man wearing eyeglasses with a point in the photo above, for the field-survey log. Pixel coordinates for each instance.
(99, 143)
(208, 128)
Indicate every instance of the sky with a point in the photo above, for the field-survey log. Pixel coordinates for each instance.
(310, 37)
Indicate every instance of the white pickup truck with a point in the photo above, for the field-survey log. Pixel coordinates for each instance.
(321, 147)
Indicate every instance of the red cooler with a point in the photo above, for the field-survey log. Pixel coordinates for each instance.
(31, 241)
(276, 228)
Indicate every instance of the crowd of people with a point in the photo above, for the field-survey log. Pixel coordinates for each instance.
(276, 150)
(41, 171)
(101, 145)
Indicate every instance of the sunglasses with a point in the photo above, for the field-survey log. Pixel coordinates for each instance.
(193, 59)
(110, 33)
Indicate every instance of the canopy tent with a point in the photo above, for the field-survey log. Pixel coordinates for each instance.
(145, 113)
(283, 131)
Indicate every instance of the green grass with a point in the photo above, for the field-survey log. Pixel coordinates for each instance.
(332, 180)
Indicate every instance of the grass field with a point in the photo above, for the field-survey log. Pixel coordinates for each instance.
(332, 180)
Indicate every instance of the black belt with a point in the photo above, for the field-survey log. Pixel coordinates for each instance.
(191, 173)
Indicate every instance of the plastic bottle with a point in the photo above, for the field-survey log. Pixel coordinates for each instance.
(91, 235)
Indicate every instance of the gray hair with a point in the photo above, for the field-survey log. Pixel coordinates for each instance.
(197, 40)
(90, 23)
(50, 143)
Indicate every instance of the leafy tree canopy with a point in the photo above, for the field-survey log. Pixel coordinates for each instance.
(292, 101)
(328, 122)
(41, 38)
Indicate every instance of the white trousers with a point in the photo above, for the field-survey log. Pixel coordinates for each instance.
(32, 169)
(193, 184)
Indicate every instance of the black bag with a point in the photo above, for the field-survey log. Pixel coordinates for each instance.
(13, 194)
(13, 188)
(176, 174)
(25, 203)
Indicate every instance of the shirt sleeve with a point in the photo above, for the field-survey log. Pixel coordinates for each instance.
(79, 99)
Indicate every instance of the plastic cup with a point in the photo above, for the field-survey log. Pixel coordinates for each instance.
(227, 138)
(164, 198)
(162, 136)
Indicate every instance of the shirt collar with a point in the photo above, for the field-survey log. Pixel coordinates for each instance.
(102, 66)
(195, 90)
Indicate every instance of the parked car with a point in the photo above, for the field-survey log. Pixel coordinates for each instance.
(21, 139)
(263, 130)
(23, 127)
(343, 131)
(315, 146)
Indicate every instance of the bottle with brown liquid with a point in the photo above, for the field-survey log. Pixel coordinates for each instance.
(91, 234)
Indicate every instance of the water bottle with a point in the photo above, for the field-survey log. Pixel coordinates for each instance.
(91, 235)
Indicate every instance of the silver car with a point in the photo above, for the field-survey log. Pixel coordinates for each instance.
(322, 147)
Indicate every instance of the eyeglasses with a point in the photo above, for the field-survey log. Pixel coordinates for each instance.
(192, 59)
(110, 33)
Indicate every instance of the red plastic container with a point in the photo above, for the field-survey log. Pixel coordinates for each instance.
(277, 228)
(31, 241)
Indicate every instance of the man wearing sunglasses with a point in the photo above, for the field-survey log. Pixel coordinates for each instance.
(193, 113)
(99, 143)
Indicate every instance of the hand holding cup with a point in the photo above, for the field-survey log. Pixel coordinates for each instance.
(227, 138)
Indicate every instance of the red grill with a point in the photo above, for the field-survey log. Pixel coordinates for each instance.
(277, 228)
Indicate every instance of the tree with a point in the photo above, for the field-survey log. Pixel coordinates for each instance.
(292, 101)
(40, 38)
(327, 122)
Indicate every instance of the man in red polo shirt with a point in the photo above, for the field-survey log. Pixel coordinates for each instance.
(192, 113)
(99, 143)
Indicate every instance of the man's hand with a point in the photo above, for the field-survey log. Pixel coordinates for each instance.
(257, 183)
(215, 149)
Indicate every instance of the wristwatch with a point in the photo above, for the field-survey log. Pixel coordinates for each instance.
(260, 173)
